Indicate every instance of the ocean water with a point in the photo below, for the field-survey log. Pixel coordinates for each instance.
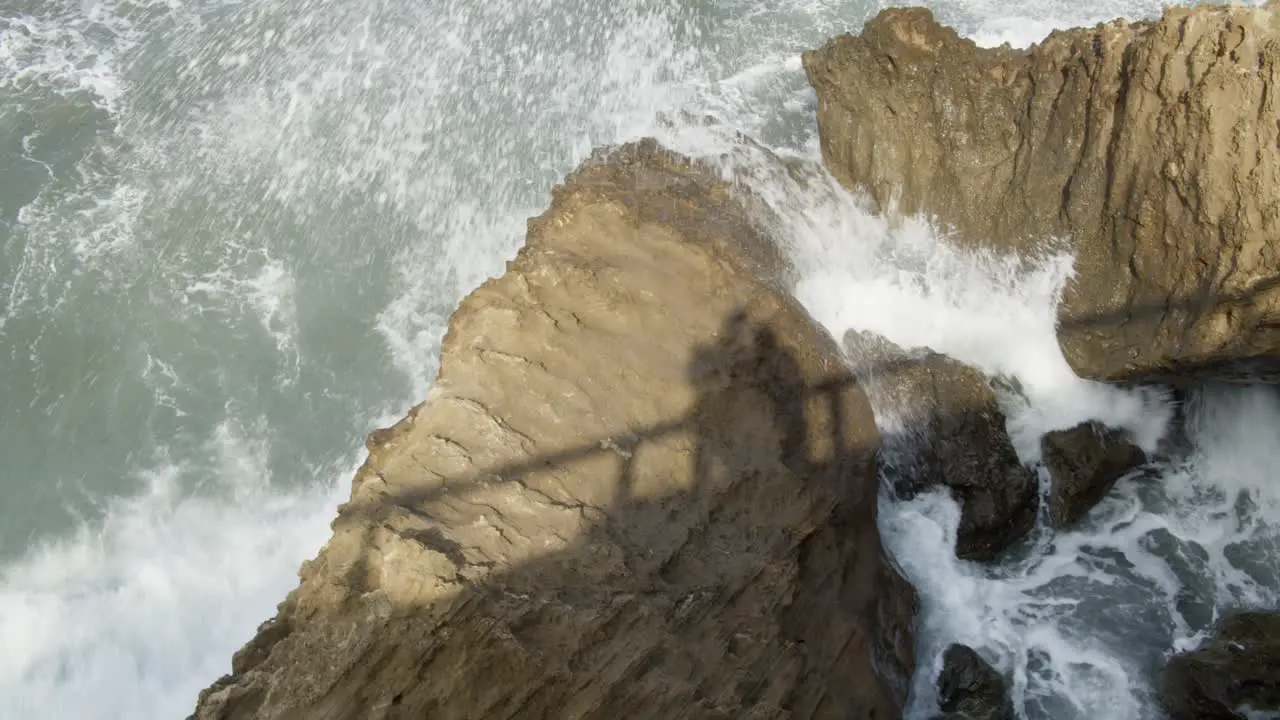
(231, 236)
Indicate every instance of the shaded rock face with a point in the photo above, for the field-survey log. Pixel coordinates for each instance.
(1152, 149)
(970, 689)
(643, 486)
(1235, 671)
(1084, 463)
(958, 440)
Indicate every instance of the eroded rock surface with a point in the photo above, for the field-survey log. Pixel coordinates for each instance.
(1084, 463)
(958, 439)
(1234, 672)
(1152, 149)
(643, 486)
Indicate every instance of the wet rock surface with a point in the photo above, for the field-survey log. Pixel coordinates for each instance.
(1084, 463)
(969, 688)
(958, 440)
(1150, 149)
(1232, 676)
(644, 486)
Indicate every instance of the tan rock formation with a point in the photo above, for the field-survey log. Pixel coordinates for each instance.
(643, 486)
(1152, 148)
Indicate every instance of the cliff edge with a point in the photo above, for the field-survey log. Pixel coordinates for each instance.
(643, 486)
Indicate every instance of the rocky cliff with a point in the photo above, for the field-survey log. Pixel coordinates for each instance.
(643, 486)
(1152, 149)
(1233, 675)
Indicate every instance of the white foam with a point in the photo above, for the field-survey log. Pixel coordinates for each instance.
(1018, 32)
(1225, 499)
(1043, 618)
(990, 23)
(859, 271)
(455, 134)
(1078, 625)
(132, 619)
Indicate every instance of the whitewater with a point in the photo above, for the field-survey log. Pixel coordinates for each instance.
(232, 234)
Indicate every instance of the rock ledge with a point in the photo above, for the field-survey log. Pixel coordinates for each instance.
(1152, 148)
(644, 486)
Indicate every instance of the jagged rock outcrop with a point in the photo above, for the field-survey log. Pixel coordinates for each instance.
(958, 440)
(969, 688)
(1084, 463)
(1234, 672)
(1152, 148)
(643, 486)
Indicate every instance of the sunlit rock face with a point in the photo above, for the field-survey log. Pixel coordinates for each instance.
(1151, 149)
(643, 486)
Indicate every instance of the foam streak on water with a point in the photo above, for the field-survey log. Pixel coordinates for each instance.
(231, 235)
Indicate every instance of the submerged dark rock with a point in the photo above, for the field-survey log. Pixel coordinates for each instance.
(959, 441)
(1235, 671)
(1084, 463)
(644, 484)
(969, 688)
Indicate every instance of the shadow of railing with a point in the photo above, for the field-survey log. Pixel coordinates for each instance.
(624, 445)
(1136, 327)
(748, 574)
(752, 580)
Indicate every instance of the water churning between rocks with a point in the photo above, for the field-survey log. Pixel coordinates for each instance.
(232, 234)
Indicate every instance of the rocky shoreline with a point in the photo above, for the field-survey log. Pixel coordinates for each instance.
(645, 482)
